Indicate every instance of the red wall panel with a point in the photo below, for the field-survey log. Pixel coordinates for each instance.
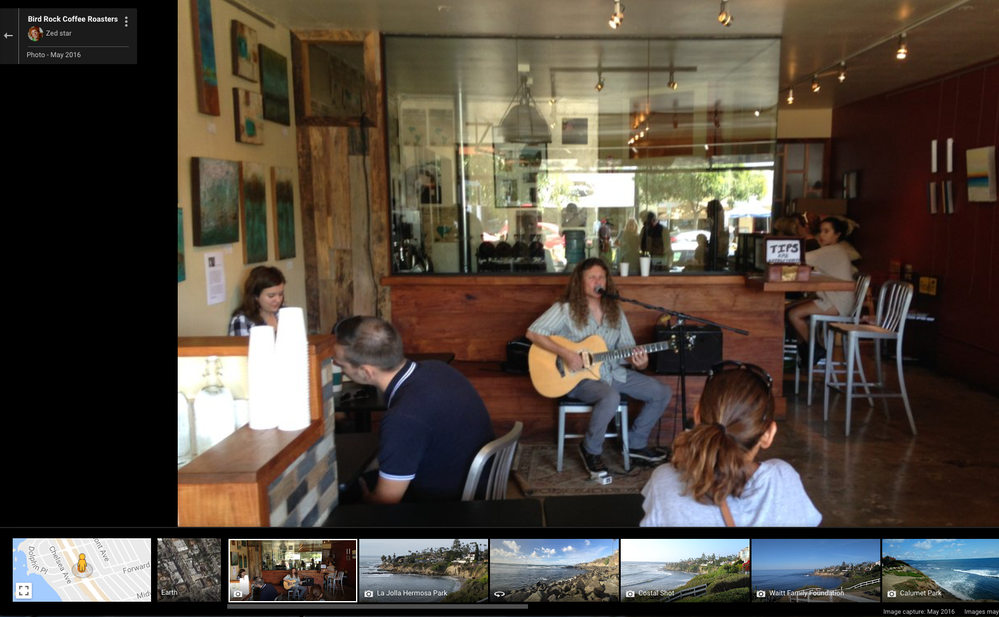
(887, 138)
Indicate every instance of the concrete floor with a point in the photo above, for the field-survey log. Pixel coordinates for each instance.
(884, 476)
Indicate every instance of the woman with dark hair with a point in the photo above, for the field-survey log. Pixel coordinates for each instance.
(833, 259)
(714, 479)
(263, 295)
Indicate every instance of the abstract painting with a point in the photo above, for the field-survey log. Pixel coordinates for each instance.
(206, 76)
(274, 85)
(214, 201)
(253, 212)
(982, 174)
(181, 273)
(249, 116)
(282, 179)
(244, 51)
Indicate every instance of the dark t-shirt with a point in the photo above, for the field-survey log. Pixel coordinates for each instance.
(435, 425)
(268, 592)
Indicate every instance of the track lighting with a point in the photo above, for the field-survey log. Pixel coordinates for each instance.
(903, 48)
(617, 17)
(600, 82)
(724, 17)
(842, 71)
(672, 82)
(815, 83)
(790, 96)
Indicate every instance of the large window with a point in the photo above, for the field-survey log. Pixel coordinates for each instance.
(514, 155)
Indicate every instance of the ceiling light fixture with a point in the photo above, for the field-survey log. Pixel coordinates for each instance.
(672, 82)
(617, 17)
(724, 17)
(815, 83)
(523, 123)
(842, 71)
(790, 96)
(903, 48)
(600, 82)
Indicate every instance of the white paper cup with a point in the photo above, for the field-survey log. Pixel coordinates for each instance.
(624, 268)
(646, 263)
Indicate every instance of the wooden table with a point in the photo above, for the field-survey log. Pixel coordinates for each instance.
(505, 513)
(594, 511)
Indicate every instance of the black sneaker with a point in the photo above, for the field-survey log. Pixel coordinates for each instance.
(820, 353)
(593, 462)
(647, 454)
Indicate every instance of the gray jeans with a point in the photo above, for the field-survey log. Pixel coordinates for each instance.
(605, 398)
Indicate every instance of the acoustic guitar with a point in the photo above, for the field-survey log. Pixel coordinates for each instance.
(289, 584)
(553, 379)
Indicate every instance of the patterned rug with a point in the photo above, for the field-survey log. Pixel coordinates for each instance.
(534, 471)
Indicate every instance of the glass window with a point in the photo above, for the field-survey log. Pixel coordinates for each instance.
(521, 156)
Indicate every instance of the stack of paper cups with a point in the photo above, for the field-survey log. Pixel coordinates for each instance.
(292, 352)
(262, 379)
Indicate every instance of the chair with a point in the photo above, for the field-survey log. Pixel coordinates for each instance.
(860, 293)
(295, 594)
(329, 582)
(568, 405)
(501, 452)
(893, 307)
(338, 580)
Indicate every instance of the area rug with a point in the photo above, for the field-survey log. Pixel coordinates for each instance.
(534, 471)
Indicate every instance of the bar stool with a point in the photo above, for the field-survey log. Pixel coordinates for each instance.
(567, 405)
(893, 307)
(860, 293)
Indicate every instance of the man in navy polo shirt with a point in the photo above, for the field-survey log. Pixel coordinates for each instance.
(436, 421)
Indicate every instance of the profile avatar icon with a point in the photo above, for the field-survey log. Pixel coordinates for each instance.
(35, 33)
(82, 566)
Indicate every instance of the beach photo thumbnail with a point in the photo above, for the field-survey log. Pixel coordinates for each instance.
(583, 570)
(266, 570)
(420, 570)
(816, 571)
(685, 570)
(938, 570)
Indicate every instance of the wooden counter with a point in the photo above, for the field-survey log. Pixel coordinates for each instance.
(275, 577)
(816, 282)
(475, 316)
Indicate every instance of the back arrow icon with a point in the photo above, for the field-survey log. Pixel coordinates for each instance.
(7, 36)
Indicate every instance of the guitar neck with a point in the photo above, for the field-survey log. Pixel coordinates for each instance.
(626, 352)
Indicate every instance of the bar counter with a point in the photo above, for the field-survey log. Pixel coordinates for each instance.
(276, 577)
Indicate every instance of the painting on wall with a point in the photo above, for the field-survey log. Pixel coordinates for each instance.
(244, 51)
(982, 174)
(205, 74)
(282, 179)
(214, 201)
(274, 86)
(249, 116)
(181, 273)
(253, 212)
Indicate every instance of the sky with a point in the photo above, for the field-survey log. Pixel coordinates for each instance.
(810, 554)
(377, 548)
(940, 549)
(555, 552)
(677, 550)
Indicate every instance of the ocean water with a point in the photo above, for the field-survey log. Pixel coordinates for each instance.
(510, 577)
(788, 580)
(40, 590)
(648, 576)
(968, 579)
(390, 587)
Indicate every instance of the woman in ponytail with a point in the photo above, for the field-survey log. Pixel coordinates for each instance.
(714, 479)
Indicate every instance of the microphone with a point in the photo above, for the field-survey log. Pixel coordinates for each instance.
(604, 292)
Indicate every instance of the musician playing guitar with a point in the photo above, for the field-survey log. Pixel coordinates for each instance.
(583, 312)
(291, 582)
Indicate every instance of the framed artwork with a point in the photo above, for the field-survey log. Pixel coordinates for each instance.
(253, 212)
(245, 61)
(249, 112)
(214, 201)
(242, 543)
(205, 73)
(274, 86)
(283, 213)
(234, 559)
(574, 131)
(982, 174)
(181, 273)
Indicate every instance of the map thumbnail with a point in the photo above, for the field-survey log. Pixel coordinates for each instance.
(82, 569)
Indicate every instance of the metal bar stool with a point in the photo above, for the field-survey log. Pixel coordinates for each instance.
(893, 306)
(567, 405)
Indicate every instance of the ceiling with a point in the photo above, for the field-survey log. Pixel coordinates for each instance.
(815, 35)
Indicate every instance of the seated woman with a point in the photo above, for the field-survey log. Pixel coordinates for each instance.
(832, 259)
(714, 479)
(263, 295)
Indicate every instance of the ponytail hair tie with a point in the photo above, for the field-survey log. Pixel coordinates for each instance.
(722, 427)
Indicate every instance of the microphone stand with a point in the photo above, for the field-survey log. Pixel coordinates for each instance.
(681, 319)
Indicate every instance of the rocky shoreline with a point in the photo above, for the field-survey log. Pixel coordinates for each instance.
(600, 584)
